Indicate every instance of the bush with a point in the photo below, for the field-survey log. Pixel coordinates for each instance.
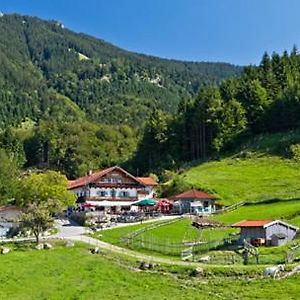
(178, 185)
(295, 151)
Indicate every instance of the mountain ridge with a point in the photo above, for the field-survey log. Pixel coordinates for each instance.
(111, 85)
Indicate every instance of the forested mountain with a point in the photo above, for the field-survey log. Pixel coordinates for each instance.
(265, 98)
(46, 69)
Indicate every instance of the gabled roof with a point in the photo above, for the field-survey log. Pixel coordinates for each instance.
(194, 194)
(85, 180)
(147, 180)
(262, 223)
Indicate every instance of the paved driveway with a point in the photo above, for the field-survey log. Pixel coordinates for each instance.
(67, 229)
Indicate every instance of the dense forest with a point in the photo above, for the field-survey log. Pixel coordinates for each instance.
(266, 98)
(71, 102)
(110, 85)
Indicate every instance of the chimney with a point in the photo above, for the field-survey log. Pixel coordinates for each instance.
(90, 172)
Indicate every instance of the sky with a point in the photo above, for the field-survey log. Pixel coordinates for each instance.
(234, 31)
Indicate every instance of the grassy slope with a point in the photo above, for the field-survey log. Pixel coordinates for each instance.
(252, 179)
(287, 210)
(76, 274)
(262, 175)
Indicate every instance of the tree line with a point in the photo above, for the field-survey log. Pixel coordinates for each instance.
(264, 99)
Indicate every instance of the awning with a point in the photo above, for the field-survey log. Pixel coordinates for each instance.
(106, 203)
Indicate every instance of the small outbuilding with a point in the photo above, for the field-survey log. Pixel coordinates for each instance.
(195, 201)
(266, 232)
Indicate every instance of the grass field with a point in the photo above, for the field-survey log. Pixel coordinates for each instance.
(165, 240)
(114, 235)
(172, 239)
(254, 179)
(73, 273)
(183, 231)
(286, 209)
(259, 169)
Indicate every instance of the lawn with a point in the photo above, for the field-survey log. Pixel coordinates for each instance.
(165, 240)
(172, 239)
(114, 235)
(183, 231)
(286, 209)
(251, 179)
(74, 273)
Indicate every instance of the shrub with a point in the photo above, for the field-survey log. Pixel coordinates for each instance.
(295, 151)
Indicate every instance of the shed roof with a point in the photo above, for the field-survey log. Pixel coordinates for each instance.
(252, 223)
(262, 223)
(194, 194)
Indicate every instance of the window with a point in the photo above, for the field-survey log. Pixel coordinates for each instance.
(124, 194)
(102, 193)
(113, 193)
(113, 180)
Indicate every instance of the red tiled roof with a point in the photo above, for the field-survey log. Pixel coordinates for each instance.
(85, 180)
(252, 223)
(88, 178)
(194, 194)
(147, 180)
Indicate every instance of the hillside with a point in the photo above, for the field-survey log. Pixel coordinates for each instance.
(110, 85)
(258, 171)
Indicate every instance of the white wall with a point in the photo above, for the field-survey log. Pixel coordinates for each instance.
(95, 192)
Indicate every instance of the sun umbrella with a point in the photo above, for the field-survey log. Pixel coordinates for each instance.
(145, 202)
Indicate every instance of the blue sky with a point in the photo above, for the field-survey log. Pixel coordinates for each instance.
(236, 31)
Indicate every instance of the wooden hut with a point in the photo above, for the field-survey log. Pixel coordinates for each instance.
(266, 232)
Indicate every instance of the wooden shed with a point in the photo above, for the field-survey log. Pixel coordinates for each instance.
(266, 232)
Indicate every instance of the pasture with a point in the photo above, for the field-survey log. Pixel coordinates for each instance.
(252, 179)
(74, 273)
(170, 239)
(275, 209)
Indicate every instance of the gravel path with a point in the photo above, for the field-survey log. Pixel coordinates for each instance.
(140, 256)
(71, 231)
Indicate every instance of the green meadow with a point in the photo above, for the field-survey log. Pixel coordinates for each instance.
(255, 179)
(260, 168)
(166, 240)
(288, 210)
(74, 273)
